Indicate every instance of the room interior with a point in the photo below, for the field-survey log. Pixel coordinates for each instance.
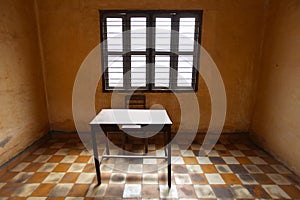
(254, 43)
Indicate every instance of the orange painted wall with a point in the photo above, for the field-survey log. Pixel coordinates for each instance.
(23, 112)
(232, 33)
(276, 121)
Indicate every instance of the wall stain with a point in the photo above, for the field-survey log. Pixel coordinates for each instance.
(5, 141)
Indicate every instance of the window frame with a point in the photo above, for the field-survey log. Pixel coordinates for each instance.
(150, 52)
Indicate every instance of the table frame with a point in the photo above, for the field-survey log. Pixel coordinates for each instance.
(144, 128)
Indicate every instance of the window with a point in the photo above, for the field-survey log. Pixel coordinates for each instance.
(150, 50)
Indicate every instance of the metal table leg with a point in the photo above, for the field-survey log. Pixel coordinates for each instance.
(169, 157)
(96, 158)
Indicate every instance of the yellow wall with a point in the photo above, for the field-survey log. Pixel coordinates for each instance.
(276, 121)
(23, 110)
(231, 33)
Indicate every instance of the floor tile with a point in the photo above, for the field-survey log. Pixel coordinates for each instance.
(240, 192)
(293, 178)
(194, 169)
(2, 184)
(230, 160)
(150, 178)
(187, 153)
(117, 178)
(8, 176)
(69, 159)
(24, 190)
(43, 189)
(134, 178)
(209, 169)
(96, 191)
(63, 152)
(177, 160)
(236, 153)
(50, 151)
(36, 198)
(148, 168)
(244, 160)
(150, 161)
(262, 178)
(222, 191)
(30, 158)
(186, 191)
(85, 178)
(42, 158)
(37, 177)
(257, 160)
(279, 179)
(231, 179)
(270, 160)
(267, 169)
(190, 160)
(82, 159)
(204, 191)
(275, 192)
(132, 191)
(57, 145)
(39, 151)
(74, 151)
(21, 177)
(198, 178)
(106, 168)
(219, 147)
(54, 177)
(182, 179)
(257, 191)
(213, 153)
(20, 167)
(89, 168)
(203, 160)
(253, 169)
(8, 189)
(114, 190)
(223, 153)
(292, 191)
(247, 179)
(166, 192)
(214, 179)
(33, 167)
(217, 160)
(135, 168)
(249, 153)
(242, 147)
(238, 169)
(62, 167)
(280, 169)
(79, 190)
(179, 169)
(76, 167)
(61, 190)
(150, 191)
(223, 169)
(69, 177)
(47, 167)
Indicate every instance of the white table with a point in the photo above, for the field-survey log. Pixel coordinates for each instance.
(142, 120)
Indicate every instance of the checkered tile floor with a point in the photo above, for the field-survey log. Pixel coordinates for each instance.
(63, 168)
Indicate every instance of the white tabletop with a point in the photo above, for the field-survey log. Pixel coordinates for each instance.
(131, 116)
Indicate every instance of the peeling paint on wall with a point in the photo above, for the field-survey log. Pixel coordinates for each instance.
(5, 141)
